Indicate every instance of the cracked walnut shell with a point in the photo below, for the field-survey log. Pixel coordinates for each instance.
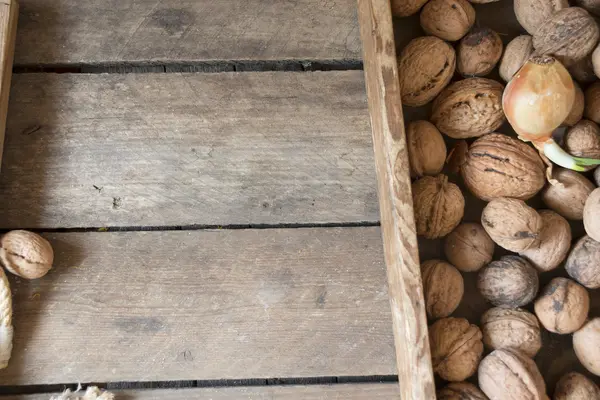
(26, 254)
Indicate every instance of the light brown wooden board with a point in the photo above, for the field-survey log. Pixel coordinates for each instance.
(359, 391)
(88, 31)
(197, 305)
(179, 149)
(8, 28)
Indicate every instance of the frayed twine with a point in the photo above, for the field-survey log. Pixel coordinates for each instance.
(92, 393)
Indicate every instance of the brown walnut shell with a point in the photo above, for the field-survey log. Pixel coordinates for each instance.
(426, 65)
(554, 244)
(516, 53)
(583, 140)
(506, 328)
(497, 165)
(532, 13)
(568, 196)
(447, 19)
(595, 62)
(512, 224)
(591, 110)
(456, 348)
(597, 176)
(562, 306)
(509, 374)
(569, 35)
(577, 109)
(575, 386)
(586, 343)
(443, 288)
(591, 215)
(469, 247)
(461, 391)
(26, 254)
(583, 264)
(479, 52)
(469, 108)
(426, 149)
(508, 282)
(592, 6)
(583, 70)
(438, 206)
(404, 8)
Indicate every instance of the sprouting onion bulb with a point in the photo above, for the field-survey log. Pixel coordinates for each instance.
(536, 101)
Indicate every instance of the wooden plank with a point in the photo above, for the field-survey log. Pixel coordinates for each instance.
(196, 305)
(88, 31)
(359, 391)
(179, 149)
(8, 28)
(395, 201)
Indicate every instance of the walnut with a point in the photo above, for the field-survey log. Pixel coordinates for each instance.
(479, 52)
(592, 102)
(512, 224)
(447, 19)
(426, 149)
(26, 254)
(583, 140)
(597, 176)
(404, 8)
(592, 6)
(594, 60)
(469, 247)
(562, 306)
(461, 391)
(438, 206)
(568, 196)
(583, 264)
(456, 348)
(516, 53)
(469, 108)
(443, 288)
(497, 165)
(569, 35)
(506, 328)
(509, 282)
(583, 71)
(591, 215)
(554, 244)
(575, 386)
(426, 65)
(532, 13)
(586, 342)
(509, 374)
(577, 109)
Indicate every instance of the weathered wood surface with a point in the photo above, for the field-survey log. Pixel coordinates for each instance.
(415, 372)
(359, 391)
(196, 305)
(90, 31)
(180, 149)
(8, 28)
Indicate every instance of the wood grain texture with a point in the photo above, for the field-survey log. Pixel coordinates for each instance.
(401, 251)
(180, 149)
(359, 391)
(89, 31)
(201, 305)
(8, 27)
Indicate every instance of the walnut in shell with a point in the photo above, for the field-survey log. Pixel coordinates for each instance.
(591, 215)
(583, 139)
(26, 254)
(497, 165)
(583, 264)
(597, 176)
(592, 6)
(461, 391)
(562, 306)
(516, 53)
(443, 288)
(479, 52)
(469, 108)
(506, 328)
(591, 110)
(554, 244)
(438, 206)
(586, 343)
(583, 71)
(508, 282)
(427, 63)
(532, 13)
(575, 386)
(456, 348)
(426, 149)
(509, 374)
(469, 247)
(404, 8)
(577, 110)
(512, 224)
(568, 196)
(447, 19)
(595, 62)
(569, 35)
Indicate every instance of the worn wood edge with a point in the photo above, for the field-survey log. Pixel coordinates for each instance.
(9, 13)
(413, 359)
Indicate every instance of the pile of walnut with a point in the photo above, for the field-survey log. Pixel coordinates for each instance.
(505, 172)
